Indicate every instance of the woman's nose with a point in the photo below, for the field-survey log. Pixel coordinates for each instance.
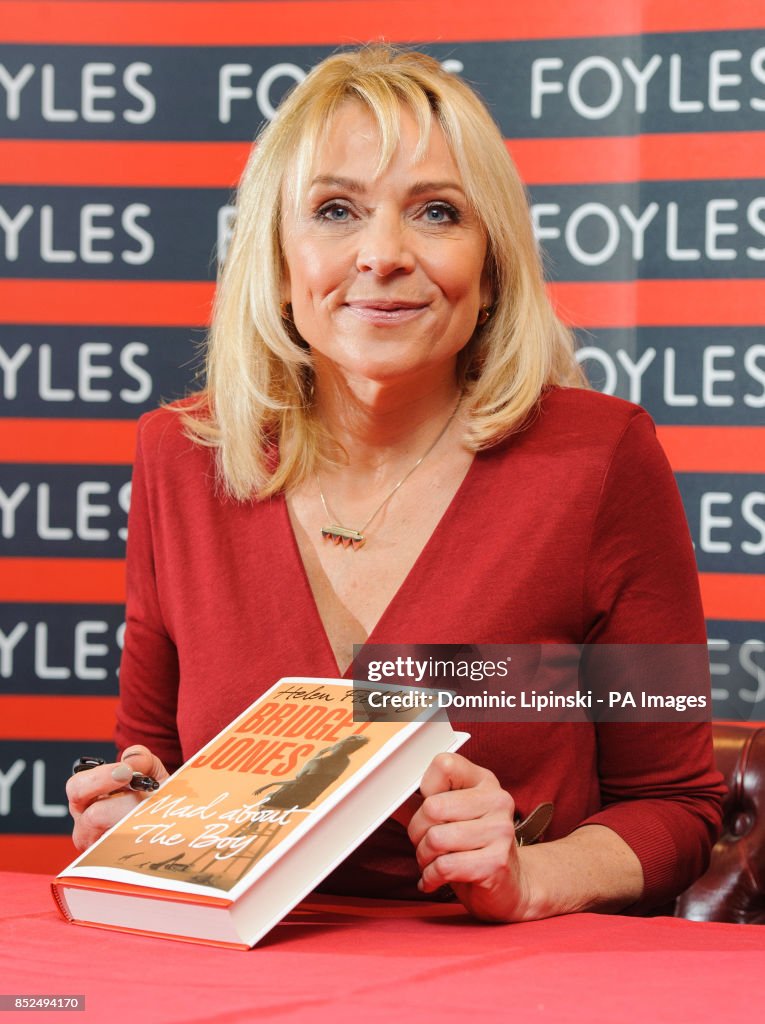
(384, 246)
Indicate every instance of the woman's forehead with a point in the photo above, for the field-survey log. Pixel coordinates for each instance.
(353, 140)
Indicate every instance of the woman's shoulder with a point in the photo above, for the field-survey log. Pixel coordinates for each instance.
(578, 418)
(588, 410)
(577, 429)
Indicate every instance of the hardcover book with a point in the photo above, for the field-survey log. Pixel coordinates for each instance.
(256, 819)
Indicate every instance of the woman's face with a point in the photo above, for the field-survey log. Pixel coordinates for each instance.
(384, 275)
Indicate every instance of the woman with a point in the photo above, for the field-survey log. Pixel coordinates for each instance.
(394, 447)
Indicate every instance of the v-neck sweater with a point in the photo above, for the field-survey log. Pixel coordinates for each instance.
(570, 531)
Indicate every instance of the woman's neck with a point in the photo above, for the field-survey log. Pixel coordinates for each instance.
(378, 424)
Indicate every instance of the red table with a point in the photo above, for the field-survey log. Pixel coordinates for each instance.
(369, 961)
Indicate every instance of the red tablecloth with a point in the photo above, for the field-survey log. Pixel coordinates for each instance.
(367, 961)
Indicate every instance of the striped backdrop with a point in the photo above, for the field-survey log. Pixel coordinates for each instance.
(123, 129)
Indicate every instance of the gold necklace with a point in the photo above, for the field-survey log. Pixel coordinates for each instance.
(349, 537)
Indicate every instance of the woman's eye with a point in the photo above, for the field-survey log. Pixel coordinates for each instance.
(334, 212)
(441, 213)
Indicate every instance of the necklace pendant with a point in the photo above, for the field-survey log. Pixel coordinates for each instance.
(343, 535)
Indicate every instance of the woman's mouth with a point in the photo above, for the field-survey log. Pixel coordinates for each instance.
(386, 311)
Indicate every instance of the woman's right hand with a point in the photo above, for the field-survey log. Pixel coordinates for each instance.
(100, 797)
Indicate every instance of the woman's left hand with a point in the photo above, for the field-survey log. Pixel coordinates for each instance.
(464, 836)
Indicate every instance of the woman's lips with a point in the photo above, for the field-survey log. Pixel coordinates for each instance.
(386, 312)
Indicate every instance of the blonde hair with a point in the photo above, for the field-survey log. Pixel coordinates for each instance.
(259, 372)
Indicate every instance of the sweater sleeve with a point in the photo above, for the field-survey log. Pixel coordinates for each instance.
(147, 707)
(660, 790)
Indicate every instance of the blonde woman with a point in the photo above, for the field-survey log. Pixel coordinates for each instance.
(395, 446)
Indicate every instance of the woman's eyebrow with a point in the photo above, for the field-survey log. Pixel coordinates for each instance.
(435, 186)
(334, 181)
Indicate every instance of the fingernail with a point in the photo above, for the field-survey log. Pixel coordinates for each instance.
(421, 886)
(131, 753)
(122, 773)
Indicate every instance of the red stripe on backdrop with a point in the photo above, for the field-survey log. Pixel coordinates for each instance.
(714, 449)
(187, 303)
(733, 596)
(659, 303)
(67, 580)
(144, 303)
(122, 164)
(695, 449)
(683, 157)
(264, 23)
(45, 855)
(57, 718)
(81, 442)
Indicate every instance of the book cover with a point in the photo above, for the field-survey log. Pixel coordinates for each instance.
(258, 791)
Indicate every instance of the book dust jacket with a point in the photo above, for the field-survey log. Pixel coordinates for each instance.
(248, 795)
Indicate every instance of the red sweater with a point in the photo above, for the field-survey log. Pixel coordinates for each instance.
(571, 531)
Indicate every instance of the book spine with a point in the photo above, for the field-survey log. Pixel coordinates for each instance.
(60, 901)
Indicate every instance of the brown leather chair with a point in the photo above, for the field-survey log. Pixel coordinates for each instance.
(733, 887)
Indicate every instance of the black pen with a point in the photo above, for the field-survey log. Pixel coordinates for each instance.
(139, 782)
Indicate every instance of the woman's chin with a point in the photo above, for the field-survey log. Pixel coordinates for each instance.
(377, 378)
(386, 370)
